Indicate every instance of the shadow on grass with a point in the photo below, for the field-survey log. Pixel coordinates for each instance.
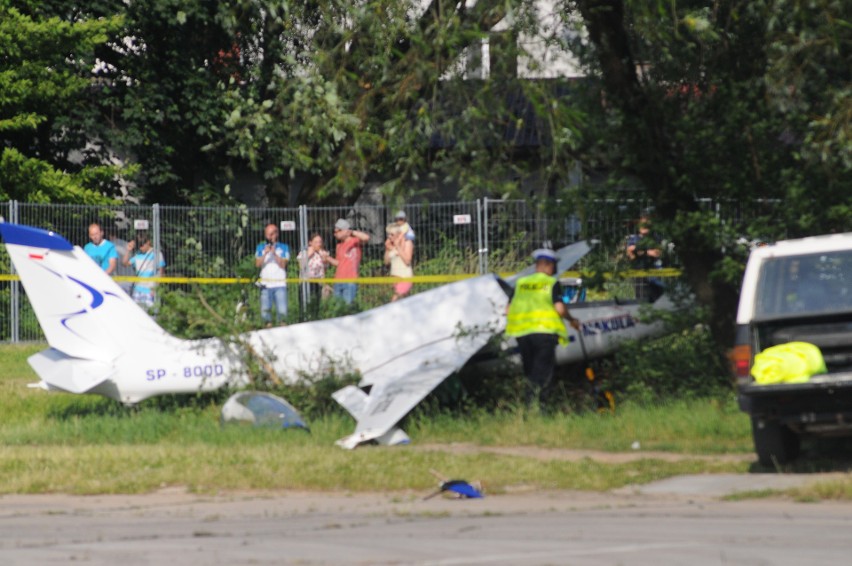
(88, 408)
(818, 456)
(166, 404)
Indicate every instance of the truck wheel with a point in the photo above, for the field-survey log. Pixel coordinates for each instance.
(774, 443)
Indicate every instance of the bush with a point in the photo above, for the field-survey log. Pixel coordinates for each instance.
(684, 365)
(312, 395)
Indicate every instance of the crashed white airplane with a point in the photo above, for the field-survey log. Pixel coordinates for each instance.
(102, 343)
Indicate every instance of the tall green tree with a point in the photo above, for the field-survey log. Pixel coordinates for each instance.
(318, 98)
(46, 76)
(156, 105)
(688, 113)
(371, 92)
(809, 83)
(159, 102)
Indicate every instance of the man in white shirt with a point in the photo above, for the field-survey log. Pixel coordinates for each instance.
(271, 258)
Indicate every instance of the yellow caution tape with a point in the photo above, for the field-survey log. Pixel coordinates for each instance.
(667, 272)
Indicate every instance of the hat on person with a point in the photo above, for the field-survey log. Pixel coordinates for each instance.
(400, 215)
(545, 253)
(341, 224)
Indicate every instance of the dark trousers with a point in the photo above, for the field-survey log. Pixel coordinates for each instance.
(314, 298)
(538, 354)
(311, 310)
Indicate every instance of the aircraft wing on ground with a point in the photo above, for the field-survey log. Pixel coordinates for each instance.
(402, 350)
(401, 384)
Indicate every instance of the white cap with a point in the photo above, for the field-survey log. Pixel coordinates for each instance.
(545, 253)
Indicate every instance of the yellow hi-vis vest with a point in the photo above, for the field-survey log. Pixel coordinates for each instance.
(531, 310)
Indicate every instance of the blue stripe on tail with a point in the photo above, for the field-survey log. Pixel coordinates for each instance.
(34, 237)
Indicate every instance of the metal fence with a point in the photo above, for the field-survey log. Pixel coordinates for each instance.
(453, 238)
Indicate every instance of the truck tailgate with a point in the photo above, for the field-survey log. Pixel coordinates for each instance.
(817, 382)
(824, 401)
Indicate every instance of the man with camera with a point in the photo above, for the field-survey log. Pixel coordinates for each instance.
(271, 258)
(645, 253)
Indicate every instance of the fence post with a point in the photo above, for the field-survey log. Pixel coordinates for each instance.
(15, 289)
(304, 290)
(155, 222)
(484, 247)
(480, 250)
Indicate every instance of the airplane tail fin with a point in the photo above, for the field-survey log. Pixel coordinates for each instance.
(64, 373)
(84, 313)
(566, 257)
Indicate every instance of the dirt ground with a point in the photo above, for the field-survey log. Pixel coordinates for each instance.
(680, 520)
(676, 521)
(571, 455)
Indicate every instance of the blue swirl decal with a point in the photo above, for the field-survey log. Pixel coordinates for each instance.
(97, 297)
(65, 320)
(97, 300)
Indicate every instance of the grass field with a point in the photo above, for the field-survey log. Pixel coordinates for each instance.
(54, 442)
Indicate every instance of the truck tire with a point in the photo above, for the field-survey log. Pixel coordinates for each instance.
(774, 443)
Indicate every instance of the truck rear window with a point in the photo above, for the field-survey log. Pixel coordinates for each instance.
(806, 284)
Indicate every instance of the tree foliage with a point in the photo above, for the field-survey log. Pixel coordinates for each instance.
(739, 102)
(46, 76)
(319, 99)
(159, 105)
(809, 83)
(369, 92)
(690, 111)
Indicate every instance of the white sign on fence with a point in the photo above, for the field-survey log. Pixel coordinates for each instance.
(288, 226)
(140, 224)
(461, 219)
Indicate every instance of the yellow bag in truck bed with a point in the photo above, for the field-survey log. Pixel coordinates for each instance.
(793, 362)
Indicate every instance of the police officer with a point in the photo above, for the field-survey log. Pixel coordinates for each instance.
(535, 316)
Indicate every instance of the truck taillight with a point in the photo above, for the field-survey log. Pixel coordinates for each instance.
(740, 358)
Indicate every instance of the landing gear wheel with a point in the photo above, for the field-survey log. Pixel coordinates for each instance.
(774, 443)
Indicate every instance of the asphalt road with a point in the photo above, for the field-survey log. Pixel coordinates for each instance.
(678, 521)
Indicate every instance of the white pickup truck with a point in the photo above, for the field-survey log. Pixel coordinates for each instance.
(796, 290)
